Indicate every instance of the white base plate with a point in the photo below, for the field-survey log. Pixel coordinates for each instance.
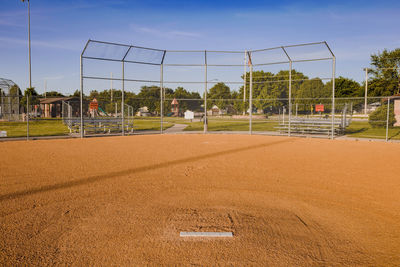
(206, 234)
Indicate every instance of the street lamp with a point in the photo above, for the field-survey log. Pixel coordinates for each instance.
(30, 69)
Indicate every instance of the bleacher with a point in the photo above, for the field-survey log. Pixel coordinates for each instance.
(307, 126)
(99, 125)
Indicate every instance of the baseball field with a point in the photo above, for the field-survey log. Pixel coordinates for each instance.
(124, 201)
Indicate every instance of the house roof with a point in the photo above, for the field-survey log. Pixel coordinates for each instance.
(55, 99)
(396, 96)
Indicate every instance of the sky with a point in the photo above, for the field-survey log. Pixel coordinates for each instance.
(59, 30)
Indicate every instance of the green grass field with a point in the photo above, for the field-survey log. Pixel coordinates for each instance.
(358, 129)
(152, 124)
(57, 128)
(234, 125)
(362, 129)
(36, 128)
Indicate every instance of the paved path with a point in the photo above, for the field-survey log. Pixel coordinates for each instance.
(176, 128)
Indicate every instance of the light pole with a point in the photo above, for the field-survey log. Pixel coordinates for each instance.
(30, 67)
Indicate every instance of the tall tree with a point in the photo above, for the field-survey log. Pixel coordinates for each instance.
(187, 100)
(53, 94)
(347, 92)
(385, 81)
(32, 95)
(311, 92)
(220, 95)
(345, 87)
(150, 97)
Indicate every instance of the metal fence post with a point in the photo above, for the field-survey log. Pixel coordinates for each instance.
(387, 119)
(161, 99)
(290, 91)
(27, 116)
(82, 126)
(251, 95)
(205, 93)
(123, 91)
(123, 98)
(290, 97)
(244, 83)
(162, 93)
(333, 96)
(366, 91)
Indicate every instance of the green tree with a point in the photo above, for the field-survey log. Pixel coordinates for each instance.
(53, 94)
(346, 92)
(311, 92)
(150, 97)
(187, 100)
(238, 103)
(15, 90)
(32, 95)
(272, 90)
(385, 82)
(345, 87)
(77, 93)
(220, 95)
(379, 116)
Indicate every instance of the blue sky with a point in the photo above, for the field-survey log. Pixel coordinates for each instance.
(353, 29)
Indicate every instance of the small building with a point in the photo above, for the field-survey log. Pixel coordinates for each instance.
(214, 111)
(57, 107)
(143, 112)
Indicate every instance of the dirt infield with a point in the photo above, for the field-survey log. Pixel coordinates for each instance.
(124, 200)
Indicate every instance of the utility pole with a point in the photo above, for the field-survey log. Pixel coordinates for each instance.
(45, 88)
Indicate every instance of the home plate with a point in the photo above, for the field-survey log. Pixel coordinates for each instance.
(206, 234)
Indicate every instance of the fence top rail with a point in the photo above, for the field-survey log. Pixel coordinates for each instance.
(126, 49)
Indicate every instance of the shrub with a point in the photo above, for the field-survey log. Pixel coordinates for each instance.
(379, 116)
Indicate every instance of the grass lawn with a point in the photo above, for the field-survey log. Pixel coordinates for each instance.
(56, 127)
(234, 125)
(153, 124)
(359, 129)
(363, 129)
(36, 128)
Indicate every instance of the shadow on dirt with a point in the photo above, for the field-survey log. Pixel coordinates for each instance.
(111, 175)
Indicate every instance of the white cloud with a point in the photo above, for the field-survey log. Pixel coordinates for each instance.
(160, 33)
(65, 45)
(185, 34)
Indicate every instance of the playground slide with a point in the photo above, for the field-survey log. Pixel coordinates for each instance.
(101, 110)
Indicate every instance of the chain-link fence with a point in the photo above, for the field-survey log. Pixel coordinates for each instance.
(60, 116)
(127, 89)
